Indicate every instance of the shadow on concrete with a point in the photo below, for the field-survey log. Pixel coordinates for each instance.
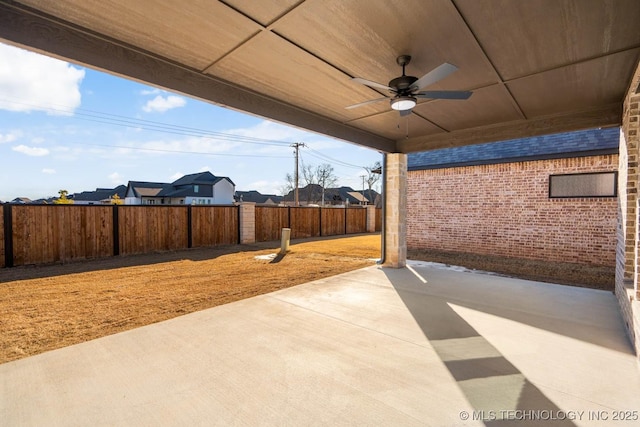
(527, 302)
(493, 385)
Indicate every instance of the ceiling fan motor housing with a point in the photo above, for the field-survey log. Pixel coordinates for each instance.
(401, 84)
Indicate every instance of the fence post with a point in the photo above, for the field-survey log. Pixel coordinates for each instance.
(247, 222)
(116, 231)
(189, 228)
(320, 220)
(8, 234)
(371, 218)
(346, 209)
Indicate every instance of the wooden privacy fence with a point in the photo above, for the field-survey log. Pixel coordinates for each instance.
(39, 234)
(308, 222)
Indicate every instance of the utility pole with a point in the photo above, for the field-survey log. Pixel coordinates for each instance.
(363, 177)
(296, 147)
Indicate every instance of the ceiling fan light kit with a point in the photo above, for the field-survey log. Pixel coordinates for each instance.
(406, 89)
(403, 103)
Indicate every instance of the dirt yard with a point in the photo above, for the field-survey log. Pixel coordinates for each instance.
(54, 306)
(564, 273)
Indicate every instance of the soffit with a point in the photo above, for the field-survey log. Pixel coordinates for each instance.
(535, 67)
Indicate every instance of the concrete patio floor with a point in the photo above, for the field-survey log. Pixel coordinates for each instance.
(426, 345)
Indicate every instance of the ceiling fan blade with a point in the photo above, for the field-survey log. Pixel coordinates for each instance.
(438, 73)
(365, 103)
(371, 84)
(443, 94)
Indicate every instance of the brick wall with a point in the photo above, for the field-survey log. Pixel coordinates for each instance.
(504, 209)
(627, 268)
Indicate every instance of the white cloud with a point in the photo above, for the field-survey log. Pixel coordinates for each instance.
(48, 171)
(176, 176)
(150, 91)
(162, 104)
(116, 178)
(38, 140)
(276, 132)
(31, 151)
(198, 145)
(10, 137)
(204, 169)
(33, 82)
(266, 187)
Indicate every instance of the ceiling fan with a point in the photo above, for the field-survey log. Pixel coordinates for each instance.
(406, 89)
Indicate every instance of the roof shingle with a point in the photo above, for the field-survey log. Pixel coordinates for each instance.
(562, 145)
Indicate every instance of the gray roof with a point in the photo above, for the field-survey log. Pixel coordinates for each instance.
(340, 194)
(182, 187)
(204, 178)
(257, 197)
(100, 194)
(355, 196)
(21, 200)
(562, 145)
(147, 189)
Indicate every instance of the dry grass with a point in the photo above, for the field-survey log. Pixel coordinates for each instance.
(565, 273)
(49, 307)
(53, 306)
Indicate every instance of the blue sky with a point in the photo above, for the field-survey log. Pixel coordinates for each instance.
(63, 126)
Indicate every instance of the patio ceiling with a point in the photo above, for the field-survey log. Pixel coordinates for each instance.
(534, 67)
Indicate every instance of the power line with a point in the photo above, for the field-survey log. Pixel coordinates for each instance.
(125, 121)
(322, 156)
(150, 125)
(163, 150)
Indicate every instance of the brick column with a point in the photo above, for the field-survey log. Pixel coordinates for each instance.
(371, 219)
(631, 130)
(247, 222)
(627, 267)
(396, 211)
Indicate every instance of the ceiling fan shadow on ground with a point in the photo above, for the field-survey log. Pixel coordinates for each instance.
(407, 89)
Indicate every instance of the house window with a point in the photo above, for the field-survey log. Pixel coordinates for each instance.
(599, 184)
(196, 188)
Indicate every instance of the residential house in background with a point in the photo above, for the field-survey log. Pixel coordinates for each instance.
(342, 196)
(21, 201)
(258, 198)
(354, 197)
(102, 196)
(202, 188)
